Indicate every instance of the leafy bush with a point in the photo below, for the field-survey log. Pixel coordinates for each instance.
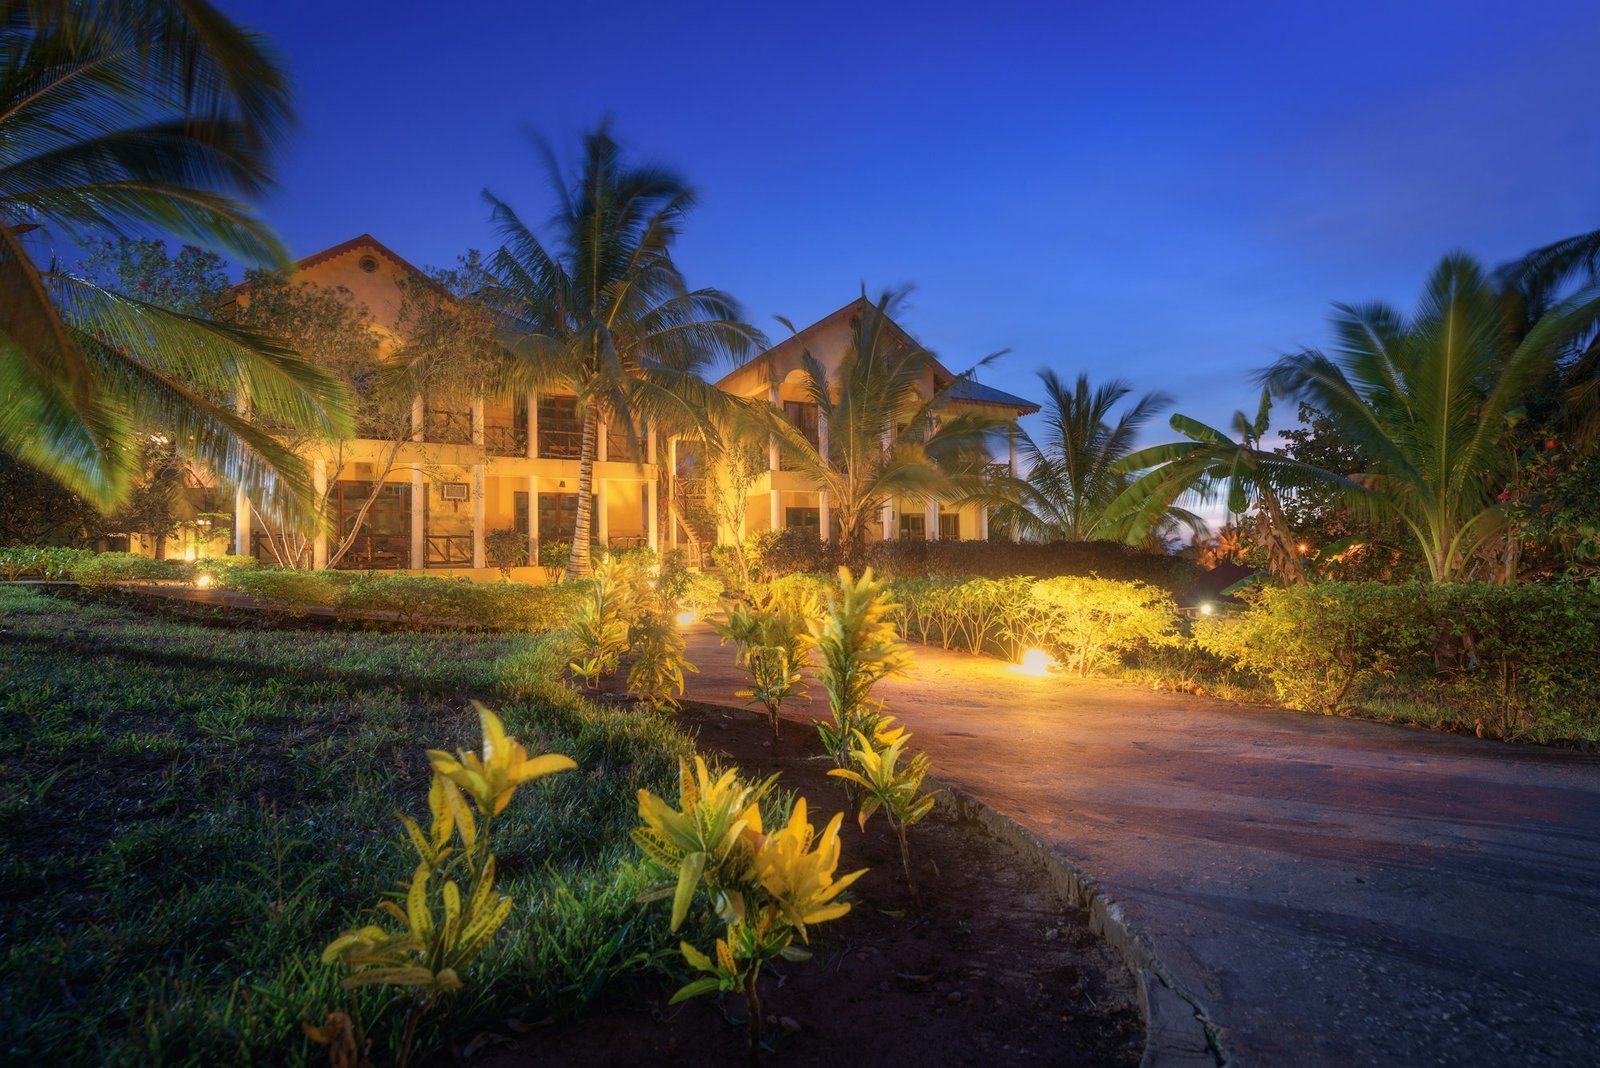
(856, 646)
(553, 557)
(692, 591)
(793, 550)
(655, 678)
(1520, 659)
(505, 550)
(103, 569)
(32, 561)
(767, 887)
(284, 588)
(1090, 623)
(1002, 559)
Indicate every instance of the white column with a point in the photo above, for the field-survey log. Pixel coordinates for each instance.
(887, 515)
(241, 523)
(602, 518)
(775, 506)
(479, 515)
(418, 417)
(931, 520)
(672, 483)
(824, 515)
(772, 442)
(419, 521)
(533, 434)
(652, 538)
(983, 522)
(319, 485)
(533, 520)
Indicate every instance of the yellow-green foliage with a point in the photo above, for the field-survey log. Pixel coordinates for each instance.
(655, 678)
(856, 646)
(767, 887)
(885, 783)
(598, 634)
(451, 909)
(773, 681)
(1089, 623)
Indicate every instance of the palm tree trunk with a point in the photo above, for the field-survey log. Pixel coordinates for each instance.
(578, 560)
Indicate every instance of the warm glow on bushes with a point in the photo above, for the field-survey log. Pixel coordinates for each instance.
(686, 616)
(1035, 662)
(202, 581)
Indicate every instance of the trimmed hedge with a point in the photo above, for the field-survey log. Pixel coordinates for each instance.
(1511, 660)
(36, 562)
(414, 601)
(1086, 624)
(793, 551)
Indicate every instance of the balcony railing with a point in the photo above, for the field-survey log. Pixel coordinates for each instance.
(560, 444)
(505, 440)
(448, 550)
(377, 552)
(447, 427)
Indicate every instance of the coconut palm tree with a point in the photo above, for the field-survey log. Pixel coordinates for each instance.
(126, 117)
(603, 309)
(1534, 286)
(1072, 475)
(1238, 467)
(1432, 400)
(887, 434)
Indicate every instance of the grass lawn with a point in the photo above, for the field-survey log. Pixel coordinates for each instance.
(188, 814)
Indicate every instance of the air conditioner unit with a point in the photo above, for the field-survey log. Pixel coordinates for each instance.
(456, 491)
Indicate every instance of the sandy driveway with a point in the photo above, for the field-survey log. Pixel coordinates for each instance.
(1330, 891)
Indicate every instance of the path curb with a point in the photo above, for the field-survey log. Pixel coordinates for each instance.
(1178, 1031)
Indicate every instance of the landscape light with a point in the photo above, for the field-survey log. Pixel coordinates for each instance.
(1206, 609)
(1035, 662)
(686, 616)
(202, 581)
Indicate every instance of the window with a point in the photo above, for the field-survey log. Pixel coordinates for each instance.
(913, 527)
(560, 432)
(802, 415)
(808, 518)
(558, 516)
(520, 510)
(949, 526)
(384, 539)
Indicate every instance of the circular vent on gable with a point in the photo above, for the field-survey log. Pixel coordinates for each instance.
(368, 263)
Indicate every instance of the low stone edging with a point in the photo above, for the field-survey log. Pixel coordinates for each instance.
(1178, 1033)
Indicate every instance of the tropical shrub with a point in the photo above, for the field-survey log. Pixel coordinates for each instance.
(506, 549)
(1089, 624)
(284, 588)
(104, 569)
(856, 646)
(686, 589)
(887, 784)
(655, 678)
(451, 910)
(553, 557)
(768, 888)
(791, 551)
(902, 559)
(42, 562)
(773, 681)
(1514, 657)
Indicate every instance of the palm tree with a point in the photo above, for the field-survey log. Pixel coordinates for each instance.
(1532, 287)
(604, 310)
(886, 436)
(123, 117)
(1209, 462)
(1072, 475)
(1432, 399)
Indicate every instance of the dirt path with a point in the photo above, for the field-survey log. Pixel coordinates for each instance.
(1330, 891)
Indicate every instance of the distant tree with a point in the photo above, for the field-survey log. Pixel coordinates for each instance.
(1248, 477)
(887, 438)
(603, 310)
(1433, 401)
(37, 510)
(192, 282)
(1072, 477)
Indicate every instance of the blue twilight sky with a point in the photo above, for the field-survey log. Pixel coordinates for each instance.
(1168, 192)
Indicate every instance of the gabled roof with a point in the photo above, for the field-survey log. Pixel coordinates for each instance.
(361, 241)
(978, 393)
(968, 391)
